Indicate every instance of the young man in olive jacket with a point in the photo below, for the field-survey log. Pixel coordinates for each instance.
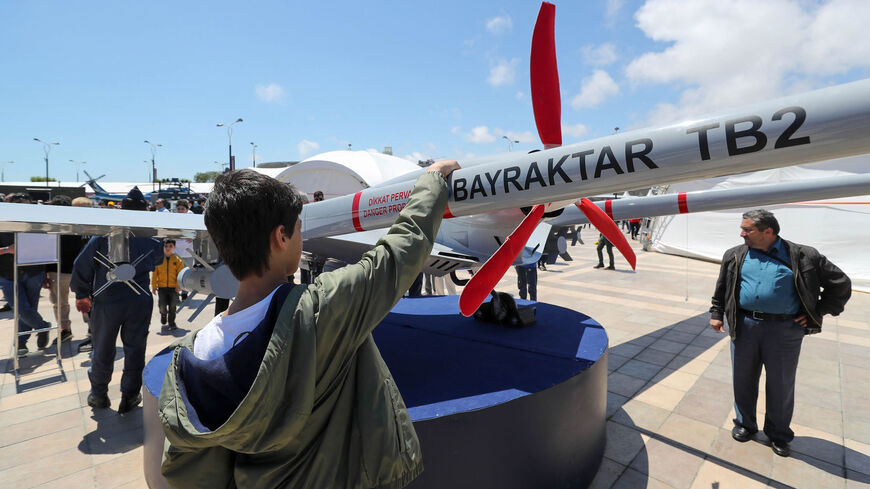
(287, 389)
(772, 292)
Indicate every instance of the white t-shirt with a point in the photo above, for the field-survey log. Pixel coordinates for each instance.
(219, 335)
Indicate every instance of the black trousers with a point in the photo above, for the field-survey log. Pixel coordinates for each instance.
(775, 345)
(602, 242)
(131, 318)
(527, 281)
(167, 301)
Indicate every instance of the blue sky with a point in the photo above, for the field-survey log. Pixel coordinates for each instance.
(431, 79)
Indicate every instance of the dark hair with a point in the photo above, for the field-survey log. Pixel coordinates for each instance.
(182, 202)
(20, 198)
(134, 204)
(763, 219)
(168, 241)
(318, 196)
(242, 210)
(60, 200)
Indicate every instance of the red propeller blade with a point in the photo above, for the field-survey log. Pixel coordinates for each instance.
(608, 228)
(482, 283)
(546, 100)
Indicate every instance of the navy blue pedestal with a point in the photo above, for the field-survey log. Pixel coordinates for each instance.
(494, 407)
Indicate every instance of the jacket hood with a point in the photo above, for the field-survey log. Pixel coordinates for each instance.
(232, 401)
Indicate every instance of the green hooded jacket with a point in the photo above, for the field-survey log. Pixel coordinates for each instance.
(323, 410)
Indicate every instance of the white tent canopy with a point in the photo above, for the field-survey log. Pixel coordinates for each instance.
(838, 228)
(337, 173)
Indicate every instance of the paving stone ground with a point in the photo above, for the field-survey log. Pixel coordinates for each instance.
(669, 392)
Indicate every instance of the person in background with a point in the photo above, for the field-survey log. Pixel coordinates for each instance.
(30, 280)
(634, 226)
(198, 205)
(86, 345)
(70, 247)
(527, 281)
(182, 206)
(164, 282)
(117, 309)
(318, 196)
(161, 206)
(602, 242)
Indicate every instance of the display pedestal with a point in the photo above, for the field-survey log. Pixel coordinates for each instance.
(494, 407)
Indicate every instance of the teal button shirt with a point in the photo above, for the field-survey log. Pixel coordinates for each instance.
(766, 284)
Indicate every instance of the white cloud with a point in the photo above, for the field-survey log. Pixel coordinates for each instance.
(499, 25)
(600, 55)
(416, 157)
(523, 137)
(595, 89)
(503, 72)
(306, 147)
(575, 131)
(271, 93)
(455, 130)
(611, 10)
(480, 134)
(732, 53)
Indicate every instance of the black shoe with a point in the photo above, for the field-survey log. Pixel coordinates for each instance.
(65, 335)
(42, 340)
(98, 401)
(172, 327)
(780, 448)
(5, 308)
(600, 265)
(85, 346)
(163, 319)
(611, 267)
(129, 403)
(23, 350)
(741, 434)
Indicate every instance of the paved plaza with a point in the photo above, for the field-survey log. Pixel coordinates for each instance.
(669, 404)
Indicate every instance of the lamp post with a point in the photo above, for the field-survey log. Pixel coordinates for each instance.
(47, 148)
(254, 155)
(154, 147)
(78, 165)
(148, 164)
(221, 165)
(3, 168)
(510, 142)
(230, 139)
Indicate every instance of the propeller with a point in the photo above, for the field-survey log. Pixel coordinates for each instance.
(547, 106)
(544, 78)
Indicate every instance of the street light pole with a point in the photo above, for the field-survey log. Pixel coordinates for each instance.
(153, 167)
(510, 143)
(78, 165)
(230, 139)
(47, 148)
(3, 169)
(221, 165)
(254, 155)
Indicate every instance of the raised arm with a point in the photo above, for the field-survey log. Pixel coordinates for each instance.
(351, 301)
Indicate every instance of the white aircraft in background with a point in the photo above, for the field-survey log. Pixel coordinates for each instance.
(497, 203)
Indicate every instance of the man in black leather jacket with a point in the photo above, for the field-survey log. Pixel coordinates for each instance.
(772, 292)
